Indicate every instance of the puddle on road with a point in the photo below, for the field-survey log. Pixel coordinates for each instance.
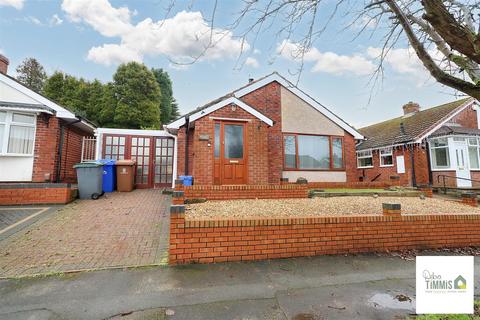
(386, 301)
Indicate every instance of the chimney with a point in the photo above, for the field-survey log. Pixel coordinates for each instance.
(411, 107)
(3, 64)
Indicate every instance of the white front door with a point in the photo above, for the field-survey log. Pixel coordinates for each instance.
(463, 170)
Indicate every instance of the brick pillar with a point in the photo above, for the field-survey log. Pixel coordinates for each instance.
(179, 185)
(177, 229)
(426, 190)
(392, 209)
(470, 199)
(178, 197)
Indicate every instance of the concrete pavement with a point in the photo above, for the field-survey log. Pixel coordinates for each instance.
(326, 287)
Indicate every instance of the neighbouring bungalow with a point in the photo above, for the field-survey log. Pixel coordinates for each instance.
(432, 146)
(265, 132)
(40, 141)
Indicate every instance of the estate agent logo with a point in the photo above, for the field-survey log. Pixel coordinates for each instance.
(444, 284)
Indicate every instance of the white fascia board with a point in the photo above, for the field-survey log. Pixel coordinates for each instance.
(302, 95)
(226, 102)
(60, 111)
(468, 103)
(25, 110)
(180, 122)
(135, 132)
(176, 124)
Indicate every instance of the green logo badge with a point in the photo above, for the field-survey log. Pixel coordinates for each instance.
(460, 283)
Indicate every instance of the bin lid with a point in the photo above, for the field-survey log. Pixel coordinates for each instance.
(87, 165)
(107, 162)
(125, 162)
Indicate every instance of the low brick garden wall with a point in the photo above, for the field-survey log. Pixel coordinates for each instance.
(269, 191)
(257, 239)
(246, 192)
(36, 193)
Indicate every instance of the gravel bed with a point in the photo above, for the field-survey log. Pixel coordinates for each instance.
(321, 207)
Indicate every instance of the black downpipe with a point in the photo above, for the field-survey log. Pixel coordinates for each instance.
(187, 125)
(412, 160)
(430, 174)
(60, 147)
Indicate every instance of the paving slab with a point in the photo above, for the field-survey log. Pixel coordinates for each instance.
(118, 230)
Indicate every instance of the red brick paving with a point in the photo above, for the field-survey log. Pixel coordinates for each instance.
(119, 229)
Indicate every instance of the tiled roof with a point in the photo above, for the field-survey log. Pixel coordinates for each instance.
(449, 130)
(407, 128)
(228, 95)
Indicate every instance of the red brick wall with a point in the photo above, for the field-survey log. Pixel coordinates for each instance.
(350, 157)
(452, 182)
(46, 150)
(272, 191)
(181, 140)
(36, 196)
(387, 172)
(71, 153)
(267, 100)
(234, 240)
(246, 192)
(466, 118)
(421, 166)
(256, 145)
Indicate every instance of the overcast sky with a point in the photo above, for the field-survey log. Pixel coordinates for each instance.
(89, 38)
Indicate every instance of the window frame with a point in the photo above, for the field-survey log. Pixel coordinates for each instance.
(330, 146)
(8, 123)
(477, 147)
(431, 150)
(364, 157)
(390, 154)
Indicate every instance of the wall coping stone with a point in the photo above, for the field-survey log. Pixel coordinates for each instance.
(35, 185)
(238, 222)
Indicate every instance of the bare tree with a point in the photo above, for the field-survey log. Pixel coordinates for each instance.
(445, 34)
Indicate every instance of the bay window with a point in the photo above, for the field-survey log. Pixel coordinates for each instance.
(312, 152)
(17, 133)
(364, 159)
(386, 157)
(439, 153)
(473, 153)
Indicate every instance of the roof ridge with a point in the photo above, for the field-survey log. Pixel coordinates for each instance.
(419, 112)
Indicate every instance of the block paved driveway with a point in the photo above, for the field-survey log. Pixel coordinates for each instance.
(119, 229)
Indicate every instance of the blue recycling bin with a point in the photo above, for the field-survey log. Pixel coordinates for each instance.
(187, 180)
(109, 175)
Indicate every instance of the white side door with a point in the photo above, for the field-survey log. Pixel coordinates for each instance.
(462, 167)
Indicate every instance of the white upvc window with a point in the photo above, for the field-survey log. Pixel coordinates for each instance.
(473, 153)
(386, 157)
(364, 159)
(17, 133)
(439, 153)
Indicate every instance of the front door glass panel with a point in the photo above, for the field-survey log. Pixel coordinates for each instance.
(233, 141)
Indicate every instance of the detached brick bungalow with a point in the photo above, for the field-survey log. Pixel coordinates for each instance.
(40, 141)
(424, 147)
(263, 133)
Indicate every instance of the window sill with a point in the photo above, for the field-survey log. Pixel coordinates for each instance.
(444, 169)
(387, 166)
(16, 155)
(369, 167)
(320, 170)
